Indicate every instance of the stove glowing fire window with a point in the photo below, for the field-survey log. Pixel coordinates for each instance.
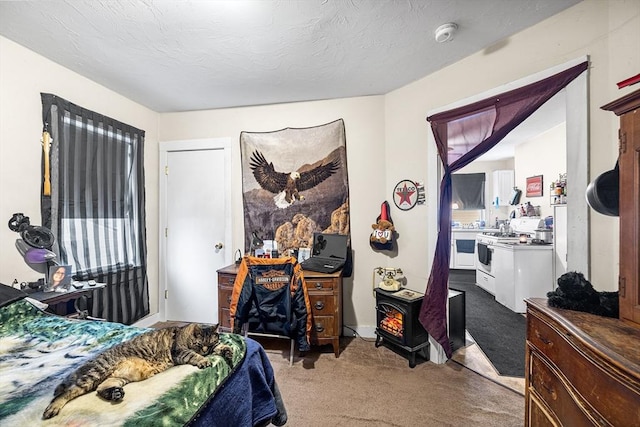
(392, 322)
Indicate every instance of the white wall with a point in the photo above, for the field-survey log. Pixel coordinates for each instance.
(364, 127)
(608, 32)
(392, 127)
(544, 155)
(23, 76)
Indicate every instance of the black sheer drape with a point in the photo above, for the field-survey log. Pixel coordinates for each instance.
(96, 206)
(462, 135)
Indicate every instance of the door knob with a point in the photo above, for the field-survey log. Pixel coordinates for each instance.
(219, 245)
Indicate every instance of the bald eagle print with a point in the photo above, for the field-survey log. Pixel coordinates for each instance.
(287, 185)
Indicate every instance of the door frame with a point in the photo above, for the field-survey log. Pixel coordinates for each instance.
(165, 148)
(577, 124)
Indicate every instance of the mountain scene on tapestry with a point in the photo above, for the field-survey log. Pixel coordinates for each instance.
(294, 183)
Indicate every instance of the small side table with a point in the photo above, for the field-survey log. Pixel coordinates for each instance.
(57, 301)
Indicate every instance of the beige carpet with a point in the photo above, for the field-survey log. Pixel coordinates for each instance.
(369, 386)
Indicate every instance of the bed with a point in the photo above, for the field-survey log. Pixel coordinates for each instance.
(38, 349)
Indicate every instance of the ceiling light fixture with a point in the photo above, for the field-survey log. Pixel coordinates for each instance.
(444, 32)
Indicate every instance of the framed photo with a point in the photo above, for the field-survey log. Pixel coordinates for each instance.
(303, 254)
(59, 278)
(534, 186)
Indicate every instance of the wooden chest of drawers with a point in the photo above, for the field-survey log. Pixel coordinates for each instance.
(581, 369)
(325, 296)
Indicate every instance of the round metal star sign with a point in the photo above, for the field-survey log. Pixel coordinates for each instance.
(405, 194)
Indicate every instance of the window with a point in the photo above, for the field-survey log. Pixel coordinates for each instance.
(468, 191)
(95, 207)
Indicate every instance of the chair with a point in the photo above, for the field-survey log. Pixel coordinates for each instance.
(270, 299)
(245, 332)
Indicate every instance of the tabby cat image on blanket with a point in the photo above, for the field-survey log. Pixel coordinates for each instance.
(138, 359)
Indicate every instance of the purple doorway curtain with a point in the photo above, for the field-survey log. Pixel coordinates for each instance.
(462, 135)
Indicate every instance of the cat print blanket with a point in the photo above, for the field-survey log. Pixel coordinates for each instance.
(38, 350)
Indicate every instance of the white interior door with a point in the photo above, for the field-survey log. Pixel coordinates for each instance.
(196, 234)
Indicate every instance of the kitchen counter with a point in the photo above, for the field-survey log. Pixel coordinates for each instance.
(472, 230)
(522, 271)
(527, 246)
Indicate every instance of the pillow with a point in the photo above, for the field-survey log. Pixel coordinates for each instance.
(9, 295)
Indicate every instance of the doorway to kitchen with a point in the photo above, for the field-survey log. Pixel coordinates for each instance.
(576, 109)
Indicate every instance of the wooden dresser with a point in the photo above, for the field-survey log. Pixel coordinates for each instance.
(325, 296)
(581, 369)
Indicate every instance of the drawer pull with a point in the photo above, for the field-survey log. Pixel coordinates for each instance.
(318, 285)
(229, 299)
(319, 327)
(543, 339)
(319, 305)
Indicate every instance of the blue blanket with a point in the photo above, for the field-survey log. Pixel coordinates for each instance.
(233, 407)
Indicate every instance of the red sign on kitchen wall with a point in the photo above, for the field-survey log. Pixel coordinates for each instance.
(534, 186)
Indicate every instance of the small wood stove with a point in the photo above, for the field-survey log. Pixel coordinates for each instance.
(398, 324)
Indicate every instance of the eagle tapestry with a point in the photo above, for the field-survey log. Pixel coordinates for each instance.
(294, 183)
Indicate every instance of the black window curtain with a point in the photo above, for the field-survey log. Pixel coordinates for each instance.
(95, 207)
(468, 190)
(462, 135)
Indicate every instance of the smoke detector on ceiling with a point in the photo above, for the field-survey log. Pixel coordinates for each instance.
(444, 32)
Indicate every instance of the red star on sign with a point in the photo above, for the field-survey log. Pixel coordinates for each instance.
(405, 195)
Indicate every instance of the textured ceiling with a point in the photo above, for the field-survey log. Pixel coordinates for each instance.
(193, 55)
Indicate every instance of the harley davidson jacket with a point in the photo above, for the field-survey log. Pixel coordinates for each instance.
(271, 296)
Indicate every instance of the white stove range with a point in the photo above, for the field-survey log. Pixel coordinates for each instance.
(493, 237)
(513, 271)
(521, 227)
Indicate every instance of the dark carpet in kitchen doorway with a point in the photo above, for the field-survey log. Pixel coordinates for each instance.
(498, 331)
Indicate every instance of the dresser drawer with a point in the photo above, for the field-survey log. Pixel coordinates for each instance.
(226, 280)
(322, 304)
(551, 390)
(225, 319)
(224, 297)
(538, 414)
(323, 327)
(588, 378)
(321, 284)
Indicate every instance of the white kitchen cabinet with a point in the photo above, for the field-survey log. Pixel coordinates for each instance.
(503, 182)
(486, 281)
(559, 241)
(461, 259)
(521, 271)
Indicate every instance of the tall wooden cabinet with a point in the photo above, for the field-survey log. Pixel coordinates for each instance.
(628, 108)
